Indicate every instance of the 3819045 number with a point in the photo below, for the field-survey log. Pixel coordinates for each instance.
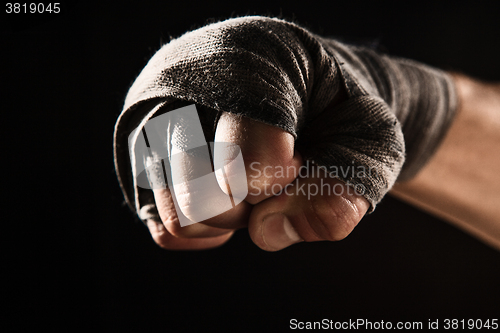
(32, 8)
(453, 324)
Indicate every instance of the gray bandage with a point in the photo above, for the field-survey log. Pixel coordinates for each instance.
(281, 74)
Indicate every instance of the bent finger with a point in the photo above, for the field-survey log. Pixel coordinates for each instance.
(270, 160)
(167, 241)
(169, 216)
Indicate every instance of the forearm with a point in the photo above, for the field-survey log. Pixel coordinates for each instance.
(461, 182)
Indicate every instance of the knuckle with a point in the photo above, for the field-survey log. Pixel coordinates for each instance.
(159, 234)
(268, 176)
(162, 243)
(333, 218)
(176, 230)
(170, 225)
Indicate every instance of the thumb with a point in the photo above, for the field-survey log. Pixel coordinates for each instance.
(314, 208)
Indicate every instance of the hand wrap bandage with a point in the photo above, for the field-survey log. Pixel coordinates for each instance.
(278, 73)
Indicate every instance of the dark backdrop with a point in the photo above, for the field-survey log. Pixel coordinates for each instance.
(76, 257)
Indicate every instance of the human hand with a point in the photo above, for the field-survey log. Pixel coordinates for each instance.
(274, 220)
(288, 98)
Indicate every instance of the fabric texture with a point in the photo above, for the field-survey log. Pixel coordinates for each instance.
(348, 107)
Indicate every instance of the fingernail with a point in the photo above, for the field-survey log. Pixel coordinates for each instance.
(278, 232)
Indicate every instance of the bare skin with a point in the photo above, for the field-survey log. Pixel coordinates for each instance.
(460, 184)
(321, 218)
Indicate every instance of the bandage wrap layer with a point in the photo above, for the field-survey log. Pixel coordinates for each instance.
(279, 73)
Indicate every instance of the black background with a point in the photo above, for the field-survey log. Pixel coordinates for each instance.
(77, 258)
